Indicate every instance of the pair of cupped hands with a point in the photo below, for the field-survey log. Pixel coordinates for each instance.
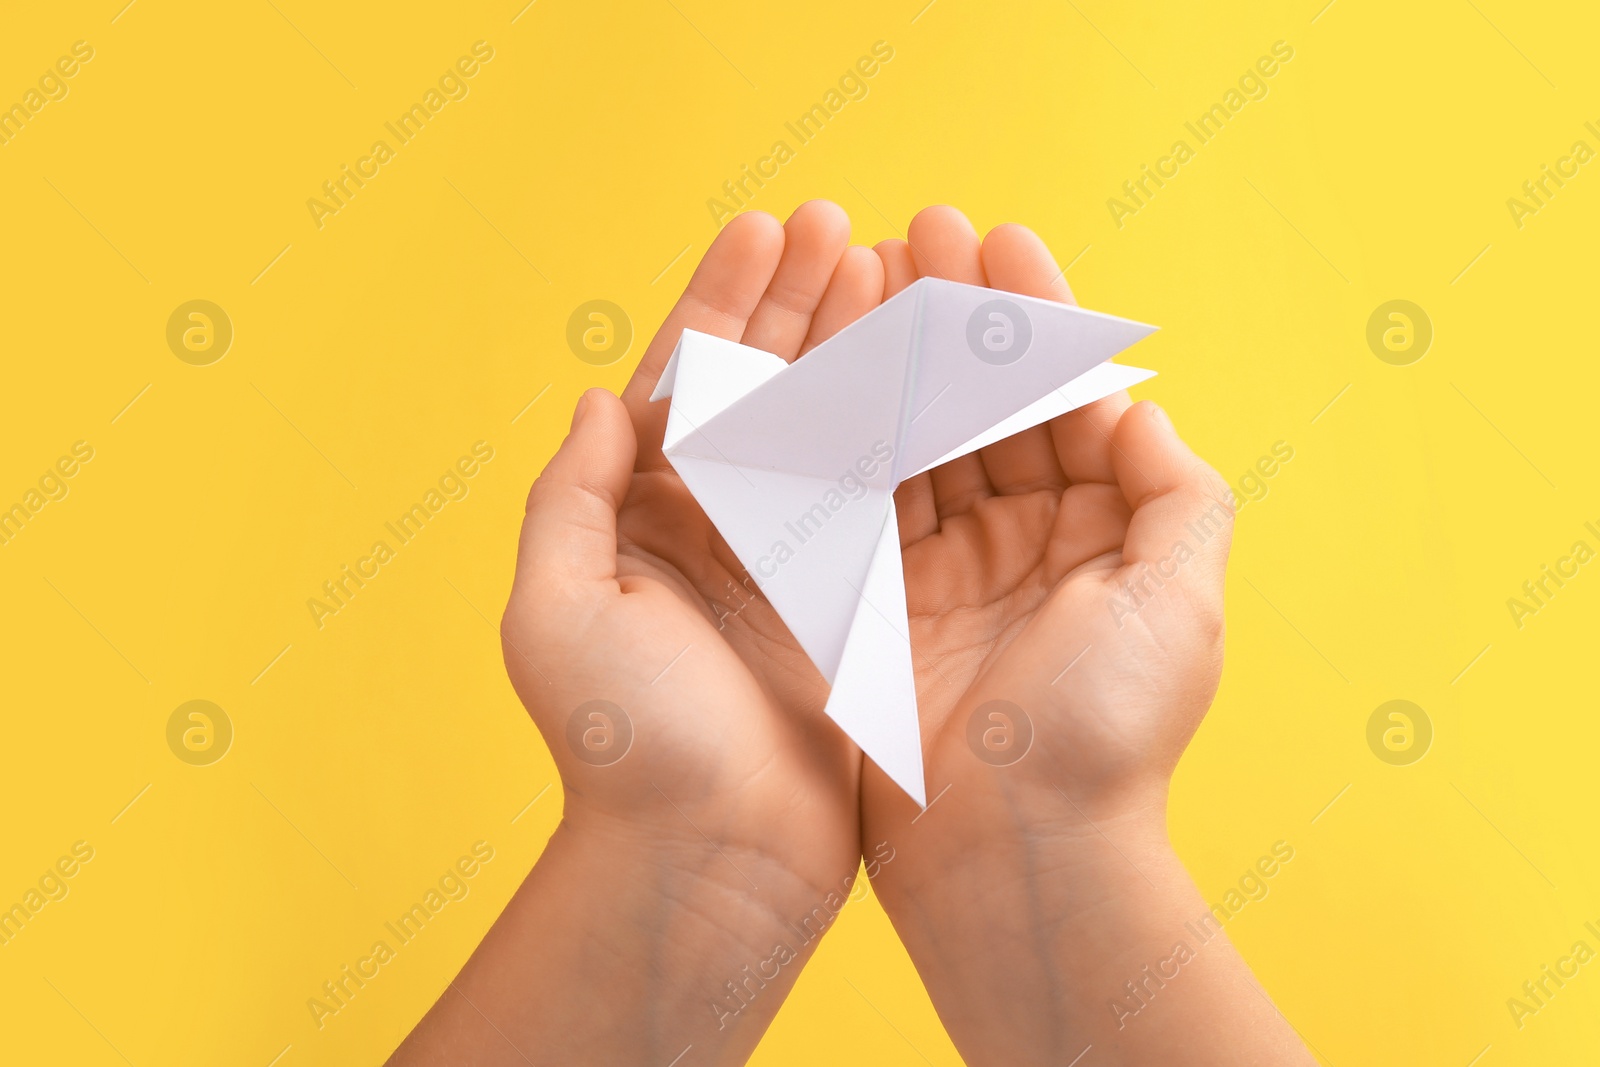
(673, 908)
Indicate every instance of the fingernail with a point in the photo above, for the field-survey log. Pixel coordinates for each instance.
(583, 406)
(1161, 415)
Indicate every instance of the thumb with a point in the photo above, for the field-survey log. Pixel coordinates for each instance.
(569, 536)
(1182, 523)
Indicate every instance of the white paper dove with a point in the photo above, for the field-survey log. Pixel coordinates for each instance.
(796, 464)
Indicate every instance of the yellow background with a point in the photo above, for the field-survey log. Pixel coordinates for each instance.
(431, 311)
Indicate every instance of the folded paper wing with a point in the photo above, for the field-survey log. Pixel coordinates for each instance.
(796, 464)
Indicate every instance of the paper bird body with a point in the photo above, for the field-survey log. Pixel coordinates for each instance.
(796, 464)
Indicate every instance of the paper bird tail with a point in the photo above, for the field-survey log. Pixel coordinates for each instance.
(874, 697)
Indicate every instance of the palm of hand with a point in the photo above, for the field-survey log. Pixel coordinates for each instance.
(1022, 599)
(665, 538)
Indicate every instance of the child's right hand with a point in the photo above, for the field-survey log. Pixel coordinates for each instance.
(624, 593)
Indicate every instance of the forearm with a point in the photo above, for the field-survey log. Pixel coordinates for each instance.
(1083, 934)
(609, 954)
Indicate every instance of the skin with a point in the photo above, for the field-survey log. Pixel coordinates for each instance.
(735, 811)
(738, 809)
(1074, 572)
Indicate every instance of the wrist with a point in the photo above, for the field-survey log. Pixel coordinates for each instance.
(716, 933)
(710, 852)
(657, 928)
(1007, 900)
(665, 892)
(1066, 858)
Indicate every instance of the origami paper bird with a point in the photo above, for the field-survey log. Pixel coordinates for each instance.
(796, 464)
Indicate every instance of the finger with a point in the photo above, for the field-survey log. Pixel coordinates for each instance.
(914, 507)
(944, 245)
(958, 485)
(1016, 260)
(1082, 439)
(855, 289)
(1182, 514)
(899, 269)
(725, 289)
(814, 238)
(1091, 521)
(569, 535)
